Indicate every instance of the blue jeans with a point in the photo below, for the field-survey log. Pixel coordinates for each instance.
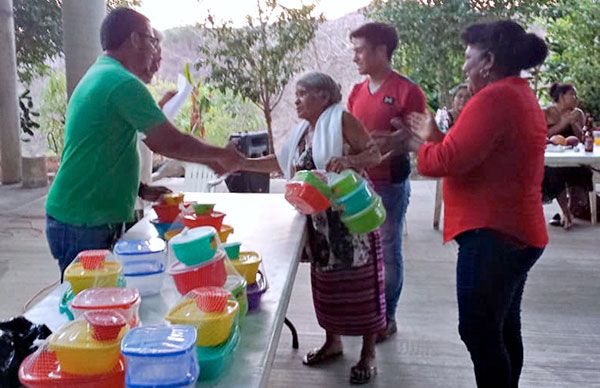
(395, 198)
(490, 278)
(66, 240)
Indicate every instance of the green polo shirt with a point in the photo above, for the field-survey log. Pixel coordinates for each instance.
(98, 178)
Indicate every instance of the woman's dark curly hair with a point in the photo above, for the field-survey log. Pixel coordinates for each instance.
(513, 48)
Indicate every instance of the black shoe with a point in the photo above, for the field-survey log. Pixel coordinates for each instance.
(556, 221)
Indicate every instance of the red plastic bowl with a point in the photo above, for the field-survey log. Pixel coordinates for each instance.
(106, 324)
(166, 213)
(211, 299)
(210, 273)
(306, 198)
(214, 219)
(93, 259)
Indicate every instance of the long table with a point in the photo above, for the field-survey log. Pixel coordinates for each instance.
(572, 158)
(264, 223)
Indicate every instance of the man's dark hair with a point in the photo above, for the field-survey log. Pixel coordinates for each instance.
(513, 48)
(118, 26)
(378, 34)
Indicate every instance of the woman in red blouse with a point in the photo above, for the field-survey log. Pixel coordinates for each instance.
(493, 164)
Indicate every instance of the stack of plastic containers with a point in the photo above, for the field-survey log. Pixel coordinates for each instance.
(167, 211)
(161, 356)
(308, 192)
(362, 208)
(247, 264)
(125, 301)
(82, 353)
(143, 263)
(92, 269)
(212, 311)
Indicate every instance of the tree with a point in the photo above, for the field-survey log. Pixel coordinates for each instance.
(38, 34)
(430, 50)
(257, 61)
(572, 35)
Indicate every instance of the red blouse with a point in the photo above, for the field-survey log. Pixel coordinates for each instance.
(492, 162)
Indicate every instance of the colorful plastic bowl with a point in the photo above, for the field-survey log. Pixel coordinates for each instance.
(171, 198)
(367, 220)
(203, 208)
(232, 249)
(212, 328)
(211, 273)
(214, 219)
(224, 233)
(312, 179)
(305, 198)
(195, 246)
(125, 301)
(164, 227)
(166, 213)
(347, 181)
(81, 278)
(358, 200)
(214, 359)
(256, 290)
(247, 265)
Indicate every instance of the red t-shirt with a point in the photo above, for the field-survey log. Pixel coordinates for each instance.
(493, 164)
(396, 97)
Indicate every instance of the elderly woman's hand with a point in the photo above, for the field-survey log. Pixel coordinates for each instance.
(422, 125)
(338, 164)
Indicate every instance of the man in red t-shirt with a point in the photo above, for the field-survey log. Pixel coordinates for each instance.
(384, 95)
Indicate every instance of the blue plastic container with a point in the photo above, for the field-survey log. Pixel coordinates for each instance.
(164, 227)
(160, 356)
(145, 275)
(136, 250)
(214, 360)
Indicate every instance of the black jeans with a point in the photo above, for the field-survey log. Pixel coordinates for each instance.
(490, 277)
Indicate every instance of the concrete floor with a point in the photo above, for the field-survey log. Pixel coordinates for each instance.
(561, 307)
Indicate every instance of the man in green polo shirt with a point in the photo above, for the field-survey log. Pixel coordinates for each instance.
(97, 183)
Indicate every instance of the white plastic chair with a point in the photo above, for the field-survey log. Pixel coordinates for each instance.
(200, 178)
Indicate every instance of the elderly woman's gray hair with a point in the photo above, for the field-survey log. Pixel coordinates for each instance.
(322, 83)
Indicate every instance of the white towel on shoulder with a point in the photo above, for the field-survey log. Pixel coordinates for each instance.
(327, 141)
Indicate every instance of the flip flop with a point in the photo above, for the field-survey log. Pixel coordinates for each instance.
(360, 375)
(319, 355)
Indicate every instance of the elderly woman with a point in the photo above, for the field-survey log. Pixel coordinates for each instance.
(346, 269)
(566, 119)
(492, 162)
(444, 118)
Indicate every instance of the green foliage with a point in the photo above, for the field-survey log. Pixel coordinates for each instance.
(572, 35)
(430, 50)
(257, 61)
(53, 111)
(228, 113)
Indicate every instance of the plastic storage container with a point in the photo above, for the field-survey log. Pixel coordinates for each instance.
(42, 370)
(91, 345)
(224, 233)
(195, 246)
(163, 227)
(358, 200)
(147, 276)
(256, 290)
(314, 179)
(213, 328)
(160, 356)
(247, 265)
(305, 198)
(83, 274)
(211, 273)
(367, 220)
(138, 250)
(344, 183)
(214, 219)
(213, 360)
(237, 286)
(166, 213)
(125, 301)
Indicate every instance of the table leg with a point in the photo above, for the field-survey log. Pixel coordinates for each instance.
(290, 325)
(593, 207)
(437, 208)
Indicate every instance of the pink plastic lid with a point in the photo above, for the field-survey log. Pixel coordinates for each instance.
(105, 298)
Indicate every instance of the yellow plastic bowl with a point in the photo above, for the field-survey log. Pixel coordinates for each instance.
(212, 328)
(247, 265)
(79, 353)
(82, 279)
(224, 233)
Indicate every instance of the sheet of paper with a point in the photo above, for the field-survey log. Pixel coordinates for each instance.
(172, 107)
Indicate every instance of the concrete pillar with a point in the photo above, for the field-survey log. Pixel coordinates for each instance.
(10, 131)
(81, 37)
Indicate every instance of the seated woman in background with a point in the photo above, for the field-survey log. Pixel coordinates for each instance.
(564, 118)
(444, 118)
(346, 269)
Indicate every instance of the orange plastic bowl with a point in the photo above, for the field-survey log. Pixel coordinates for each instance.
(166, 213)
(306, 198)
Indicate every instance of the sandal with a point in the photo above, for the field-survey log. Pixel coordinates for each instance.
(320, 355)
(556, 221)
(360, 375)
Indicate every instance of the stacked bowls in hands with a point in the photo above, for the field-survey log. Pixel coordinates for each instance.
(308, 192)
